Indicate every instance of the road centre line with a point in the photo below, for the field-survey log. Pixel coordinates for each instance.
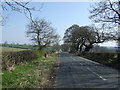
(91, 70)
(97, 74)
(75, 60)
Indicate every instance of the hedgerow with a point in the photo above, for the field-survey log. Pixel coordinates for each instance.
(9, 59)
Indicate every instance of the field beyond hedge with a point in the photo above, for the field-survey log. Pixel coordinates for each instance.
(10, 49)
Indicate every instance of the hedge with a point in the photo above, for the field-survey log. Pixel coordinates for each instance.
(109, 59)
(12, 58)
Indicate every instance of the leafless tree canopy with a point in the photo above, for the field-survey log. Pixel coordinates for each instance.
(106, 11)
(41, 32)
(18, 6)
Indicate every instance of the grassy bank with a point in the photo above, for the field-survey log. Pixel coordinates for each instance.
(109, 59)
(32, 74)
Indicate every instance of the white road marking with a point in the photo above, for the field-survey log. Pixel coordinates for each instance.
(81, 63)
(91, 70)
(97, 74)
(88, 60)
(75, 60)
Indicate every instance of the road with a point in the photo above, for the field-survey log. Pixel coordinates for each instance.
(78, 72)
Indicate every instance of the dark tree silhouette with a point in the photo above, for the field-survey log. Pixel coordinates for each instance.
(77, 37)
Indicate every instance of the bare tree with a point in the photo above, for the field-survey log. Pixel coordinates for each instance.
(41, 32)
(106, 11)
(70, 38)
(86, 36)
(18, 6)
(95, 36)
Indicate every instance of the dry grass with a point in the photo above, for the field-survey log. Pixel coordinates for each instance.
(9, 49)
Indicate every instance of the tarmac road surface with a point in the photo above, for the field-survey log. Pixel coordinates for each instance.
(78, 72)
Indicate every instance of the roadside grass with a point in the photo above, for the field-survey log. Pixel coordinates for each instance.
(32, 74)
(109, 59)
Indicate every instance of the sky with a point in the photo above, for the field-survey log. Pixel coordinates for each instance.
(62, 15)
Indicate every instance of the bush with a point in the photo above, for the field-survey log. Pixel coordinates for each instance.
(39, 53)
(100, 57)
(10, 59)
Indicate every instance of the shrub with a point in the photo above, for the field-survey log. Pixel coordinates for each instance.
(39, 53)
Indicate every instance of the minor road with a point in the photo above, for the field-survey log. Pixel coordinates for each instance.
(78, 72)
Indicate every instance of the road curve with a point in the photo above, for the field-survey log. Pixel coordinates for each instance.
(78, 72)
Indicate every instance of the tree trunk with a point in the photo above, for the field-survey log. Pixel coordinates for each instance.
(38, 41)
(81, 47)
(40, 47)
(77, 47)
(88, 47)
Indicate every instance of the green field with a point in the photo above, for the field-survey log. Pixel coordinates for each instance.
(9, 49)
(20, 47)
(31, 47)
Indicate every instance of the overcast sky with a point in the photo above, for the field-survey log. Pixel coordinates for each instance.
(61, 14)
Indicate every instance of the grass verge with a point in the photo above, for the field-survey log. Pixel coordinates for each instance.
(108, 59)
(32, 74)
